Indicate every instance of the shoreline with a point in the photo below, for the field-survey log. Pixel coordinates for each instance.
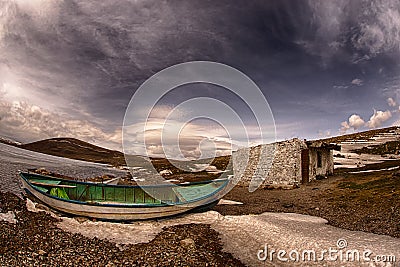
(35, 239)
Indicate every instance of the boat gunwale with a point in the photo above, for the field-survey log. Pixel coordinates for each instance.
(122, 205)
(127, 186)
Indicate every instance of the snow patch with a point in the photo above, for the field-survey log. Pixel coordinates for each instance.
(228, 202)
(387, 169)
(8, 217)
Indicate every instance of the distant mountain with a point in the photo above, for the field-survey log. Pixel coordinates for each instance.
(366, 148)
(76, 149)
(364, 136)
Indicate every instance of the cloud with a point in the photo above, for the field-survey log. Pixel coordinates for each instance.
(357, 82)
(391, 102)
(340, 86)
(175, 140)
(367, 28)
(327, 18)
(86, 56)
(355, 122)
(379, 31)
(324, 134)
(162, 111)
(76, 63)
(378, 118)
(27, 122)
(345, 126)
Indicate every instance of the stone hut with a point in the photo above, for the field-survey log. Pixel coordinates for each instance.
(293, 162)
(319, 160)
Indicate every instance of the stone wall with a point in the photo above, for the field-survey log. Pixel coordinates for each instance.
(286, 164)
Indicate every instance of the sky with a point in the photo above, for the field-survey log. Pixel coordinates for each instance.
(70, 68)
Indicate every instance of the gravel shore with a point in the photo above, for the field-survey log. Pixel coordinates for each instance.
(35, 240)
(359, 201)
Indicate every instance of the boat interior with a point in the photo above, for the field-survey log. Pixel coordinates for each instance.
(103, 193)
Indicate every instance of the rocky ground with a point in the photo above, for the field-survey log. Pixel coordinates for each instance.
(364, 199)
(35, 240)
(356, 199)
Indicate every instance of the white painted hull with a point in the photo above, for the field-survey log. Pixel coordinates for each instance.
(113, 212)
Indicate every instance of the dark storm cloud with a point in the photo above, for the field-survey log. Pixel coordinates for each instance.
(85, 59)
(93, 56)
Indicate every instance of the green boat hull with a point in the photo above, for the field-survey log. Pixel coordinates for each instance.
(117, 202)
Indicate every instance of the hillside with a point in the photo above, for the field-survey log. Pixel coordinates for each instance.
(365, 148)
(80, 150)
(390, 147)
(373, 142)
(76, 149)
(362, 136)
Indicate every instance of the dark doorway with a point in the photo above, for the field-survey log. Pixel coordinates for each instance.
(305, 166)
(319, 159)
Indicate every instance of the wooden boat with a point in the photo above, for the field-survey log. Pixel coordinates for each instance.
(120, 202)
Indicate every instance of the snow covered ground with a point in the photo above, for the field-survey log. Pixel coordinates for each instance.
(243, 236)
(13, 160)
(354, 160)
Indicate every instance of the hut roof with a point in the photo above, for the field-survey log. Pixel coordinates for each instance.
(322, 144)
